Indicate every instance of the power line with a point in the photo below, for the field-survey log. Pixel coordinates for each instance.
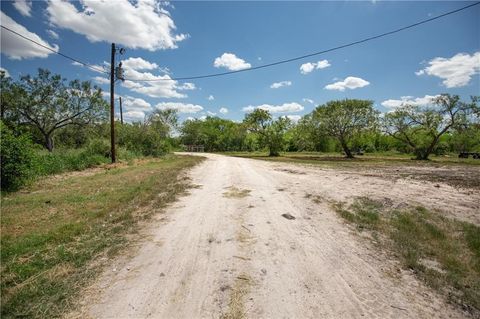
(260, 66)
(57, 52)
(311, 54)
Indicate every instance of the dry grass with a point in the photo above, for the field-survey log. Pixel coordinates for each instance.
(236, 304)
(55, 232)
(234, 192)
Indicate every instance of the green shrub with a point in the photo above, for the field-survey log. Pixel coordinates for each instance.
(17, 159)
(98, 146)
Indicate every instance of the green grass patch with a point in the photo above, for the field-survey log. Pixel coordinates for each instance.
(54, 232)
(442, 252)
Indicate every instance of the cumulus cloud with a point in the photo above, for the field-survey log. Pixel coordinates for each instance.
(277, 85)
(294, 118)
(95, 67)
(409, 100)
(456, 71)
(350, 82)
(211, 113)
(53, 34)
(160, 86)
(7, 75)
(284, 108)
(309, 67)
(223, 110)
(135, 109)
(17, 48)
(231, 62)
(210, 98)
(180, 107)
(142, 24)
(24, 7)
(101, 80)
(139, 64)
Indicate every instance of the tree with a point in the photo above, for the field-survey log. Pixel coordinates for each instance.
(164, 121)
(345, 120)
(420, 127)
(271, 132)
(47, 103)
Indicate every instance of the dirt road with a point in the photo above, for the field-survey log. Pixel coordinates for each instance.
(226, 250)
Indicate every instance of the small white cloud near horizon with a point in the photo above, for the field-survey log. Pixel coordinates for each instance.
(408, 100)
(350, 82)
(309, 67)
(211, 113)
(308, 100)
(231, 62)
(134, 109)
(294, 118)
(16, 48)
(284, 108)
(278, 85)
(101, 80)
(7, 74)
(223, 110)
(456, 71)
(210, 97)
(138, 64)
(180, 107)
(24, 7)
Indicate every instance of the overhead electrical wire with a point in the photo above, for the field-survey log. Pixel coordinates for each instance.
(263, 65)
(57, 52)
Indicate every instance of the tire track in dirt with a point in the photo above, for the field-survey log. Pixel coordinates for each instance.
(225, 250)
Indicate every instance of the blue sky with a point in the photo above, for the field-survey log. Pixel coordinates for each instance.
(194, 38)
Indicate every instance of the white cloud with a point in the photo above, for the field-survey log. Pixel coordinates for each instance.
(308, 100)
(53, 34)
(160, 86)
(294, 118)
(350, 82)
(456, 71)
(210, 98)
(24, 7)
(17, 48)
(95, 67)
(142, 24)
(134, 109)
(284, 108)
(231, 62)
(277, 85)
(410, 100)
(101, 80)
(309, 67)
(180, 107)
(7, 75)
(223, 110)
(211, 113)
(138, 64)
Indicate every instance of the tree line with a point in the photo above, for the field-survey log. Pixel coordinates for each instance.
(47, 111)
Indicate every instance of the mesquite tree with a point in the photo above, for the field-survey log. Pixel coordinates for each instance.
(344, 120)
(420, 127)
(271, 132)
(48, 103)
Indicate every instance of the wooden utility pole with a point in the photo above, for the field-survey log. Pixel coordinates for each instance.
(121, 111)
(112, 105)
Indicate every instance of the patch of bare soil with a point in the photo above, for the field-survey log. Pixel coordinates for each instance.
(229, 249)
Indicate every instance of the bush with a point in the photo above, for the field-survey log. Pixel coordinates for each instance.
(98, 146)
(17, 159)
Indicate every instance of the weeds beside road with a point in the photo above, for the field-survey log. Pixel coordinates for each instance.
(55, 232)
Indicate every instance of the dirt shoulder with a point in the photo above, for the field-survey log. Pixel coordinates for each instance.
(260, 239)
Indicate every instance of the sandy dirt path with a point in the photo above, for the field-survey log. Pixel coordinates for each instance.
(225, 250)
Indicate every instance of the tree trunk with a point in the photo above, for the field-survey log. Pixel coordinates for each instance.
(49, 142)
(347, 151)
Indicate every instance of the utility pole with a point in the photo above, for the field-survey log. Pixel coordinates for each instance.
(112, 105)
(121, 111)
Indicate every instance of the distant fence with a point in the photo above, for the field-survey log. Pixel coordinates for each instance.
(195, 148)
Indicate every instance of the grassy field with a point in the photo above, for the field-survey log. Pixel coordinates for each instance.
(442, 252)
(54, 233)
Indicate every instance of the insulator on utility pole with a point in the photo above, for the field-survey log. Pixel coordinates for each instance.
(119, 72)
